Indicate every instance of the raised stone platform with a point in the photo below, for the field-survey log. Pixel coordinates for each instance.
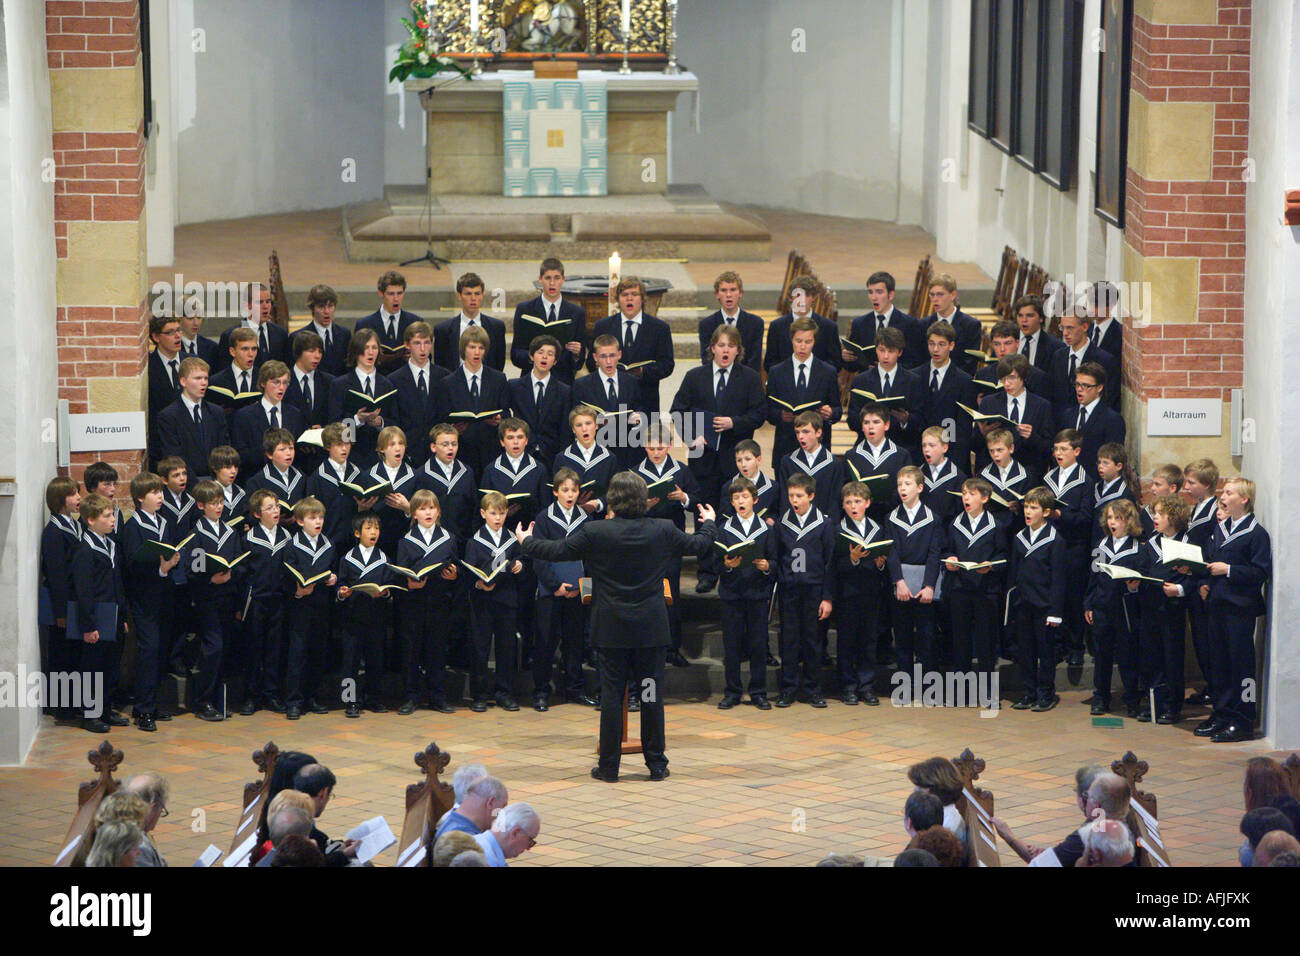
(684, 223)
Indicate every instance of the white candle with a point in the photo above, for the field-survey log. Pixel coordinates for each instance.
(473, 16)
(615, 265)
(627, 17)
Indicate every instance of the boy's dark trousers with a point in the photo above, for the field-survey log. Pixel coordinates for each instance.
(914, 634)
(216, 611)
(744, 637)
(1198, 620)
(974, 629)
(263, 647)
(675, 608)
(1232, 661)
(493, 619)
(309, 631)
(1162, 652)
(364, 633)
(61, 657)
(185, 620)
(885, 643)
(1035, 652)
(153, 627)
(526, 612)
(103, 657)
(855, 643)
(1078, 562)
(559, 624)
(1116, 644)
(424, 625)
(800, 639)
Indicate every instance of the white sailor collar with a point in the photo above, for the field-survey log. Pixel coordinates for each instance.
(599, 453)
(1032, 541)
(156, 523)
(814, 520)
(1108, 491)
(1060, 481)
(287, 486)
(377, 560)
(414, 536)
(323, 545)
(1015, 474)
(484, 537)
(647, 469)
(820, 460)
(923, 517)
(327, 472)
(526, 464)
(1127, 546)
(404, 473)
(757, 526)
(1203, 512)
(1246, 526)
(103, 545)
(68, 525)
(947, 471)
(972, 533)
(874, 456)
(871, 528)
(433, 468)
(202, 526)
(569, 525)
(272, 540)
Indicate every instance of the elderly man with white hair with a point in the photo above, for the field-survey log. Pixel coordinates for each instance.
(1106, 843)
(1108, 800)
(285, 821)
(463, 777)
(152, 789)
(484, 798)
(514, 830)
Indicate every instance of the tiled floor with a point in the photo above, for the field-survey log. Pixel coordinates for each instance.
(747, 788)
(310, 244)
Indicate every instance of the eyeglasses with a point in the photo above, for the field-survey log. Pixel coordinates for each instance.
(1078, 384)
(164, 812)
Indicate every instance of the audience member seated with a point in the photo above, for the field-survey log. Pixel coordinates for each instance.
(514, 830)
(1288, 805)
(943, 843)
(484, 799)
(452, 844)
(1286, 859)
(1255, 824)
(910, 857)
(1272, 845)
(922, 811)
(297, 850)
(287, 766)
(463, 777)
(121, 805)
(1083, 779)
(317, 782)
(152, 789)
(470, 859)
(292, 812)
(1265, 778)
(1108, 792)
(1106, 843)
(940, 777)
(117, 843)
(845, 859)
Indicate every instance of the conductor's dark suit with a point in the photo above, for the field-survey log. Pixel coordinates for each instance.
(628, 559)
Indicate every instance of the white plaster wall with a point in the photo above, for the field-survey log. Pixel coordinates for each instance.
(282, 94)
(1272, 376)
(812, 131)
(27, 395)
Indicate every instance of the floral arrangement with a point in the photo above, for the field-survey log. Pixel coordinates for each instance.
(422, 54)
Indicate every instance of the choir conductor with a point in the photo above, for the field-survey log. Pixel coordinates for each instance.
(627, 559)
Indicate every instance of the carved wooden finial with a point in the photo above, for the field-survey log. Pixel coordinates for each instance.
(432, 760)
(105, 759)
(1131, 769)
(969, 767)
(266, 757)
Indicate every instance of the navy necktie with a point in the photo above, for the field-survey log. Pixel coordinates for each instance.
(1083, 417)
(1074, 361)
(198, 420)
(175, 374)
(541, 389)
(275, 417)
(306, 390)
(473, 390)
(552, 315)
(1015, 410)
(261, 335)
(424, 389)
(802, 384)
(722, 382)
(629, 335)
(243, 387)
(613, 396)
(934, 380)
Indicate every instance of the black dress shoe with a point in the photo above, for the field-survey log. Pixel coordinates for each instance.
(870, 699)
(677, 660)
(293, 712)
(440, 706)
(315, 706)
(1168, 717)
(1099, 707)
(407, 708)
(146, 723)
(816, 700)
(1233, 733)
(1198, 698)
(479, 707)
(582, 699)
(634, 704)
(598, 774)
(657, 775)
(378, 707)
(773, 660)
(1024, 703)
(95, 725)
(1133, 711)
(1075, 659)
(1046, 703)
(249, 708)
(762, 703)
(208, 712)
(275, 705)
(785, 700)
(163, 714)
(541, 705)
(849, 697)
(114, 719)
(352, 710)
(506, 702)
(1209, 727)
(1143, 716)
(706, 584)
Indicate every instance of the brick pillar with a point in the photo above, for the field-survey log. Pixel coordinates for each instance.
(1185, 213)
(96, 91)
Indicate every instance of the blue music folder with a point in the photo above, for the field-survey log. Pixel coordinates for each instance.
(105, 621)
(568, 572)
